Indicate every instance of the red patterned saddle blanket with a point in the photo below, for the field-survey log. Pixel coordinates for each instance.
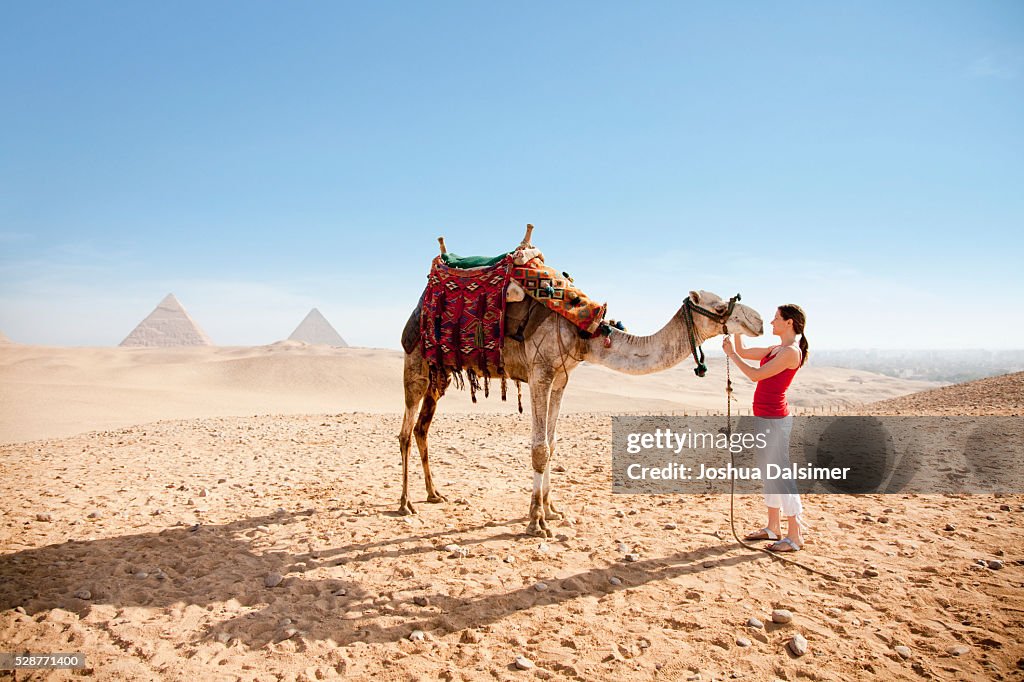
(462, 324)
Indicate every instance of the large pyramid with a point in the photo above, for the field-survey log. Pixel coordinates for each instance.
(168, 325)
(316, 329)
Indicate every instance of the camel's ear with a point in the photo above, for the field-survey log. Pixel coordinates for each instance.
(695, 297)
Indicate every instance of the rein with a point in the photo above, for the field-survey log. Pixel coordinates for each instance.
(689, 308)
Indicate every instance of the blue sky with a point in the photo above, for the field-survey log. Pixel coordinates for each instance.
(257, 159)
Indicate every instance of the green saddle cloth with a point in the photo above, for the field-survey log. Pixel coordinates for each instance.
(453, 260)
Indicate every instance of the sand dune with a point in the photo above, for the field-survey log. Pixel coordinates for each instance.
(52, 392)
(1000, 395)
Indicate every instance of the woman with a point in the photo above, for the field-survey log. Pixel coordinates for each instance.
(778, 366)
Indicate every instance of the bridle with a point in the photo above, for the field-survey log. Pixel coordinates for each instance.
(689, 308)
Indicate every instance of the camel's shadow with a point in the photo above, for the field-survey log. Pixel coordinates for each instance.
(211, 565)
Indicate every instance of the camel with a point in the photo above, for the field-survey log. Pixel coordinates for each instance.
(551, 348)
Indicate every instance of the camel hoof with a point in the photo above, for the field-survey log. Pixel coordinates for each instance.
(406, 508)
(540, 531)
(437, 497)
(553, 514)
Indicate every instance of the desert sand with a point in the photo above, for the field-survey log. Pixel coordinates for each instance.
(50, 392)
(228, 514)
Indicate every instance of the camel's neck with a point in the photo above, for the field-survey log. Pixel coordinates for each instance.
(645, 354)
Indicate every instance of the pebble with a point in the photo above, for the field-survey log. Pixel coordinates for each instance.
(620, 514)
(995, 564)
(870, 573)
(543, 547)
(615, 580)
(141, 575)
(541, 587)
(950, 527)
(670, 526)
(959, 650)
(272, 579)
(1004, 507)
(95, 515)
(83, 594)
(782, 616)
(510, 559)
(798, 645)
(743, 642)
(523, 663)
(755, 623)
(417, 636)
(452, 548)
(834, 612)
(622, 547)
(44, 517)
(422, 601)
(903, 651)
(632, 557)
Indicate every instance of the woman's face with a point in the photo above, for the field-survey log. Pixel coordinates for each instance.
(780, 325)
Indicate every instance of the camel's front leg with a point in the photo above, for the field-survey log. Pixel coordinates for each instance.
(540, 392)
(550, 510)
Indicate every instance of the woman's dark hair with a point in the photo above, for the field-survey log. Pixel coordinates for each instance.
(791, 311)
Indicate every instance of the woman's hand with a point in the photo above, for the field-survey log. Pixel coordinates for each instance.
(727, 347)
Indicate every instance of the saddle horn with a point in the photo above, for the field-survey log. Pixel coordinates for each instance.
(529, 234)
(444, 249)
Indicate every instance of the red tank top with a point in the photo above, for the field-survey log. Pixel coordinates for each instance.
(770, 393)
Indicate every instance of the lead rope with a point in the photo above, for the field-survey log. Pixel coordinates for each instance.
(732, 488)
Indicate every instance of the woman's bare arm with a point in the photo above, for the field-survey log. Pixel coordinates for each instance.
(748, 353)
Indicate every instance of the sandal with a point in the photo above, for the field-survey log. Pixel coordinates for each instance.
(784, 545)
(763, 534)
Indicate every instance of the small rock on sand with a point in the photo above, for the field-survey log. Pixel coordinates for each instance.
(755, 623)
(615, 580)
(632, 557)
(958, 650)
(422, 601)
(83, 594)
(743, 642)
(541, 587)
(272, 579)
(417, 635)
(903, 651)
(950, 527)
(44, 517)
(523, 663)
(782, 616)
(995, 564)
(798, 645)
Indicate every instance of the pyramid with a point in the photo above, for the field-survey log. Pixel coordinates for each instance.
(316, 329)
(168, 325)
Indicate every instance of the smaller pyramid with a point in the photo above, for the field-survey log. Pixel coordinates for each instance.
(316, 329)
(167, 326)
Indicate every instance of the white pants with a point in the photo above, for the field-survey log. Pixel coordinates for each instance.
(778, 493)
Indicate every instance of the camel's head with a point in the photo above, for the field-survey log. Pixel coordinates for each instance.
(744, 319)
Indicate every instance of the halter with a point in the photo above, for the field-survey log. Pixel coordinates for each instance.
(689, 308)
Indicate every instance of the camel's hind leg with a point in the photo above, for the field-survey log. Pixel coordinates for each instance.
(422, 427)
(416, 379)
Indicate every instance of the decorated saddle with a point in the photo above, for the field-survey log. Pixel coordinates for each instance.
(462, 312)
